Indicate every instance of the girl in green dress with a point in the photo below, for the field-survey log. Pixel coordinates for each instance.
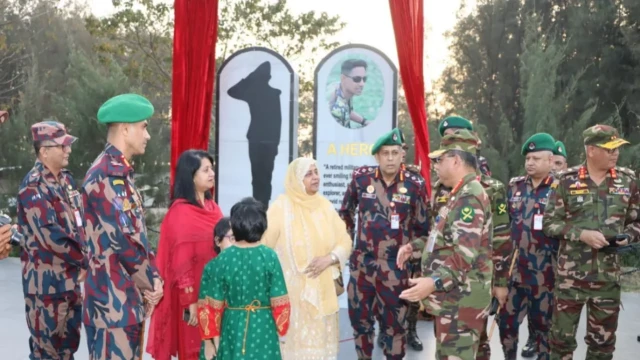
(243, 303)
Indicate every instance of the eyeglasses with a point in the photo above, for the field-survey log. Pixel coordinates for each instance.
(230, 237)
(357, 79)
(61, 147)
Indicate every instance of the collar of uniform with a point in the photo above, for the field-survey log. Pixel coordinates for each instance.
(399, 176)
(546, 182)
(46, 173)
(583, 173)
(118, 156)
(464, 181)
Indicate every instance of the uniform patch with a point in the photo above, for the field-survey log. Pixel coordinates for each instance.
(442, 199)
(467, 214)
(118, 182)
(369, 196)
(405, 199)
(502, 208)
(619, 191)
(579, 192)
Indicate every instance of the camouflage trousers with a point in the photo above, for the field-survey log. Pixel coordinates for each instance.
(535, 302)
(373, 292)
(114, 343)
(458, 333)
(54, 322)
(603, 306)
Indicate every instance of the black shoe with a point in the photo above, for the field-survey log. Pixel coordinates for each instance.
(414, 341)
(529, 349)
(380, 341)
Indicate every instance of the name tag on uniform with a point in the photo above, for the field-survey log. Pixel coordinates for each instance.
(395, 221)
(78, 218)
(619, 191)
(537, 222)
(368, 196)
(579, 192)
(400, 198)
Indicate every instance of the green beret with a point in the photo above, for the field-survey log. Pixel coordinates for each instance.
(125, 108)
(454, 122)
(393, 137)
(539, 142)
(603, 136)
(560, 150)
(462, 140)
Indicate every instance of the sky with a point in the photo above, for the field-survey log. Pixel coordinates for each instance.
(369, 22)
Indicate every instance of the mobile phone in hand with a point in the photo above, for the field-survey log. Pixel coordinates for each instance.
(186, 315)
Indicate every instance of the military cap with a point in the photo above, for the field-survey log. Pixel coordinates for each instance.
(539, 142)
(393, 137)
(603, 136)
(454, 122)
(51, 133)
(560, 150)
(125, 108)
(462, 140)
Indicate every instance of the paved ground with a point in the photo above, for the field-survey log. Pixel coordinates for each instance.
(14, 334)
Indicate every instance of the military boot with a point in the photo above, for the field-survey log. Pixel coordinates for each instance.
(412, 336)
(529, 349)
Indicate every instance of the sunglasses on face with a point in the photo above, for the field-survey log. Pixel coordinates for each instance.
(358, 79)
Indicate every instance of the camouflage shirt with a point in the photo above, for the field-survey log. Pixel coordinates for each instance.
(459, 249)
(121, 262)
(50, 216)
(537, 251)
(500, 243)
(340, 107)
(579, 204)
(377, 204)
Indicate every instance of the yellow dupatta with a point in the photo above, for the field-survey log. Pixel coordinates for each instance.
(309, 233)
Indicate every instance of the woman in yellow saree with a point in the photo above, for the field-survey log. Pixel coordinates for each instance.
(313, 246)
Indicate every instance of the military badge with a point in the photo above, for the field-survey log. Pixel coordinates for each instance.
(619, 191)
(502, 208)
(401, 198)
(370, 189)
(403, 190)
(467, 214)
(532, 146)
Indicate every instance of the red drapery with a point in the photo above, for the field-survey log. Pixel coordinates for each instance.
(194, 70)
(408, 26)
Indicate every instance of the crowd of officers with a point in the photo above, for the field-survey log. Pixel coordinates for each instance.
(537, 247)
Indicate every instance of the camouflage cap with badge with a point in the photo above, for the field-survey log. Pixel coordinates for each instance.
(454, 122)
(462, 140)
(539, 142)
(392, 138)
(560, 150)
(51, 133)
(125, 108)
(603, 136)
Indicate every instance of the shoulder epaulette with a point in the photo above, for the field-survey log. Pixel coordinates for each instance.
(33, 178)
(569, 171)
(413, 177)
(413, 168)
(364, 170)
(489, 181)
(472, 188)
(626, 171)
(516, 180)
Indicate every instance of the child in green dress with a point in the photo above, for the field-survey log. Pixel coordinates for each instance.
(243, 303)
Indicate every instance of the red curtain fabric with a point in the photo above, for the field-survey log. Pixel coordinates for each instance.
(408, 26)
(194, 70)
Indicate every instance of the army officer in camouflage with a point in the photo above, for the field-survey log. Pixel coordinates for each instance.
(123, 284)
(53, 261)
(456, 263)
(593, 202)
(392, 212)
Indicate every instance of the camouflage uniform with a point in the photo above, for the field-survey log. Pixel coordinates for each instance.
(458, 254)
(586, 275)
(121, 262)
(376, 281)
(53, 261)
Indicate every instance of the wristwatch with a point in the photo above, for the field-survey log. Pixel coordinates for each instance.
(438, 283)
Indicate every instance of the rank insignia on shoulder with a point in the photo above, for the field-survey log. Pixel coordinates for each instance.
(118, 182)
(467, 214)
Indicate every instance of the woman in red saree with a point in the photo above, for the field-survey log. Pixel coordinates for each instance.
(186, 246)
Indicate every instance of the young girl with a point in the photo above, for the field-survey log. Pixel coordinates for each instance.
(244, 306)
(222, 235)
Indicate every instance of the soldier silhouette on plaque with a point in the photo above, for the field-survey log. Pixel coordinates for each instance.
(264, 129)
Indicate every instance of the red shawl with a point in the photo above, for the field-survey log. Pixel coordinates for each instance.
(186, 245)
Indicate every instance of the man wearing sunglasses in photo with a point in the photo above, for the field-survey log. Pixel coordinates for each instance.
(352, 79)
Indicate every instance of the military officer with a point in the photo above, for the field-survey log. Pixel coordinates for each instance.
(53, 261)
(122, 276)
(531, 290)
(392, 211)
(453, 123)
(456, 262)
(559, 157)
(593, 202)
